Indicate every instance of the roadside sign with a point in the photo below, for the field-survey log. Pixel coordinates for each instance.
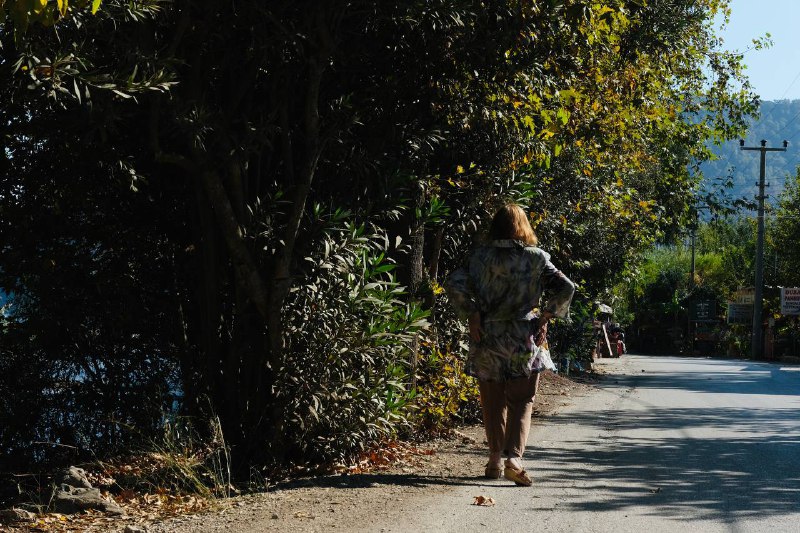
(790, 301)
(703, 311)
(740, 313)
(745, 295)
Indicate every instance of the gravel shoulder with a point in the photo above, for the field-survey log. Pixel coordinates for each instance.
(405, 479)
(356, 502)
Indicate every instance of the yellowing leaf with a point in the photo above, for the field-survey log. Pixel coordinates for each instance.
(96, 5)
(483, 501)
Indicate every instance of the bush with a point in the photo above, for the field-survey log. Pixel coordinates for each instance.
(445, 395)
(571, 342)
(344, 382)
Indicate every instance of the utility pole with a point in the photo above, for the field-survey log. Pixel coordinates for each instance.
(757, 348)
(693, 227)
(690, 296)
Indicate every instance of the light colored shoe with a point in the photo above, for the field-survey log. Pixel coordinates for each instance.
(517, 475)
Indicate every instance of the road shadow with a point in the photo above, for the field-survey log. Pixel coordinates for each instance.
(660, 459)
(365, 481)
(377, 479)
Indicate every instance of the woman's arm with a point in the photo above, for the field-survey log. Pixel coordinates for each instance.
(560, 291)
(460, 293)
(475, 329)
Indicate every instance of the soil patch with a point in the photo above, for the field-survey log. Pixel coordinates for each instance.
(413, 475)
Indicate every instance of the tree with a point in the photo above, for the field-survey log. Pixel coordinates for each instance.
(784, 232)
(263, 177)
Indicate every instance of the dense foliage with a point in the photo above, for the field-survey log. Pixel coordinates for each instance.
(658, 299)
(243, 210)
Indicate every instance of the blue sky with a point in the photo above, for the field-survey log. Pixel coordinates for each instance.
(774, 72)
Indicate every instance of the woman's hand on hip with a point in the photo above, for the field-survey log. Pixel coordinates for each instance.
(475, 329)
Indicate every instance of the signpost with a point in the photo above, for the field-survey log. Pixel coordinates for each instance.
(790, 301)
(704, 311)
(740, 313)
(740, 310)
(745, 295)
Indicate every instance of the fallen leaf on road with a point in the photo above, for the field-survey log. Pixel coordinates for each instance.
(483, 501)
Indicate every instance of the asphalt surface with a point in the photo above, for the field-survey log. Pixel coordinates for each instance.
(666, 444)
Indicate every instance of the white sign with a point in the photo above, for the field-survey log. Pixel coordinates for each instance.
(790, 301)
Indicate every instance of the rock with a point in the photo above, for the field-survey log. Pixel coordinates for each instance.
(76, 477)
(16, 515)
(70, 500)
(134, 529)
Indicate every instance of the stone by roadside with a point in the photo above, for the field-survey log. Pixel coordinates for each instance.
(342, 502)
(353, 502)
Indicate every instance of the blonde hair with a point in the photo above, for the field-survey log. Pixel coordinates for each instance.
(511, 222)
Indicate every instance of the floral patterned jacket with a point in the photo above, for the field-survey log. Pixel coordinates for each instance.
(504, 282)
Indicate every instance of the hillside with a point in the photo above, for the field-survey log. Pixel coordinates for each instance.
(779, 120)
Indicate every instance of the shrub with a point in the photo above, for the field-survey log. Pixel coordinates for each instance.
(571, 342)
(344, 382)
(445, 394)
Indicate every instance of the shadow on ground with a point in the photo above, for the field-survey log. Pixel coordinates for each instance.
(667, 460)
(378, 479)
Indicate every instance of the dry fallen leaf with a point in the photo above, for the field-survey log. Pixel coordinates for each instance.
(483, 501)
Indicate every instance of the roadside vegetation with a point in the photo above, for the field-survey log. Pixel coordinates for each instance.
(239, 216)
(656, 302)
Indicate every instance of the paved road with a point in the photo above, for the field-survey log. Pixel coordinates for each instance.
(666, 444)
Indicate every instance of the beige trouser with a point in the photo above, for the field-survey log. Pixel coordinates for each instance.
(507, 407)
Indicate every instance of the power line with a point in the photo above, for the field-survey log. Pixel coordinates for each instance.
(791, 120)
(790, 86)
(793, 135)
(774, 107)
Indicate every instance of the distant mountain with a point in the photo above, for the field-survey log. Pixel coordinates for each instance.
(779, 120)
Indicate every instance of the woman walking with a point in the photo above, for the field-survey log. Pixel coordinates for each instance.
(499, 292)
